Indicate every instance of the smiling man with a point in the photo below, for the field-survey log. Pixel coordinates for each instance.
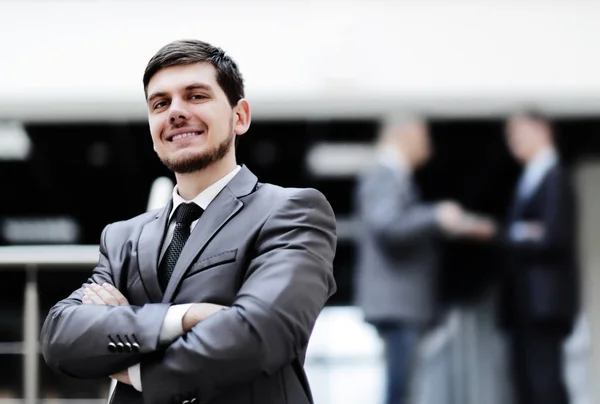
(213, 298)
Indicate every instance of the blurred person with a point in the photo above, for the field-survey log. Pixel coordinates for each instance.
(224, 316)
(540, 297)
(398, 247)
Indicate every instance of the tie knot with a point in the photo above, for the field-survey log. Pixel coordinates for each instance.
(186, 213)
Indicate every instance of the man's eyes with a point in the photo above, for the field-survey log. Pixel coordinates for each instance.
(162, 104)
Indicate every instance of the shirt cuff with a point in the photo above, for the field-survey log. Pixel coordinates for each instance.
(135, 377)
(172, 326)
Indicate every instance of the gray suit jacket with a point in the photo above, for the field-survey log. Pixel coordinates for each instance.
(264, 250)
(397, 252)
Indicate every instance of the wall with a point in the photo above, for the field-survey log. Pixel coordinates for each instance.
(66, 60)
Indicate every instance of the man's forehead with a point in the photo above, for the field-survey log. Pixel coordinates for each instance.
(181, 76)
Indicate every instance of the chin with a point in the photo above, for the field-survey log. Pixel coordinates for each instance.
(188, 161)
(183, 163)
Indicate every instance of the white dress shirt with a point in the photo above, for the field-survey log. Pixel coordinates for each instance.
(535, 171)
(532, 177)
(172, 327)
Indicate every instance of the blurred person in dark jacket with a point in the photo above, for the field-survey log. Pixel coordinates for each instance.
(540, 297)
(398, 250)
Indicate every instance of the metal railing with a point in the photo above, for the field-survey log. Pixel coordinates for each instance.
(33, 259)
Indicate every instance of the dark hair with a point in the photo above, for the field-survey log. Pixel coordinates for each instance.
(533, 115)
(189, 51)
(537, 116)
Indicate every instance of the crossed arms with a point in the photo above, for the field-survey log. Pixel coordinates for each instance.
(108, 295)
(288, 280)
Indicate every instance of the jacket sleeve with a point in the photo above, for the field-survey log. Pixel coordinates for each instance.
(288, 281)
(390, 213)
(76, 338)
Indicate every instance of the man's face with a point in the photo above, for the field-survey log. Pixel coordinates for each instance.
(420, 144)
(191, 121)
(524, 138)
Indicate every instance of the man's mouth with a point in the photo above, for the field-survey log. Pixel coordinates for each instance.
(180, 136)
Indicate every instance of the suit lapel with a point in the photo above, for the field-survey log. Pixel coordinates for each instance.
(522, 202)
(220, 211)
(149, 247)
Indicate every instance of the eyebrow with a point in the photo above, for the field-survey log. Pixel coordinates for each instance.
(193, 86)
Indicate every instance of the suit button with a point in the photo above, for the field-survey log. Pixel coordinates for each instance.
(120, 347)
(136, 347)
(112, 347)
(193, 400)
(128, 347)
(186, 402)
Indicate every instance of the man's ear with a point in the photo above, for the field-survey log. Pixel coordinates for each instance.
(242, 117)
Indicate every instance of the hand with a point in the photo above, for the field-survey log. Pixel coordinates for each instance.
(478, 228)
(449, 216)
(528, 231)
(199, 312)
(106, 295)
(534, 230)
(122, 376)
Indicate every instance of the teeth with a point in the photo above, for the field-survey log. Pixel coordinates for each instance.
(181, 136)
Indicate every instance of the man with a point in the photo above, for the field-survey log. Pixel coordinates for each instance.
(540, 292)
(397, 247)
(225, 315)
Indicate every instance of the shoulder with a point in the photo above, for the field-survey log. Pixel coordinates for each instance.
(295, 210)
(293, 204)
(559, 175)
(375, 170)
(380, 178)
(277, 196)
(122, 229)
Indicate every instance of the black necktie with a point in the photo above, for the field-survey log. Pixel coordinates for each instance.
(185, 214)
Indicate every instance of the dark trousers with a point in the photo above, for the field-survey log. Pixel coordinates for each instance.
(400, 344)
(538, 365)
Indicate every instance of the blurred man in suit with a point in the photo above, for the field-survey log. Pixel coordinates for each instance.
(211, 299)
(397, 247)
(540, 298)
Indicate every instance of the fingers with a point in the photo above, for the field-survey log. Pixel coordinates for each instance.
(92, 297)
(103, 295)
(116, 293)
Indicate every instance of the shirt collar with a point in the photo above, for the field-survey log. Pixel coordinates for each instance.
(536, 170)
(544, 160)
(394, 160)
(204, 198)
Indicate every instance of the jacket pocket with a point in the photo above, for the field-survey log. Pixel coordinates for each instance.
(212, 261)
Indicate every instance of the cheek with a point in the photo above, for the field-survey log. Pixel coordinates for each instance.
(514, 144)
(155, 129)
(521, 144)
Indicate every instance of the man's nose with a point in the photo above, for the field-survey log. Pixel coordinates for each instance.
(177, 118)
(178, 114)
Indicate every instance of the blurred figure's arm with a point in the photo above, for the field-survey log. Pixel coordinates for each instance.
(386, 209)
(556, 229)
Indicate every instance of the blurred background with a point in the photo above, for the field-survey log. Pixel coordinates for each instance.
(321, 78)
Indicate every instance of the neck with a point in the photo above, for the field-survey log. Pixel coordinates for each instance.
(189, 185)
(406, 159)
(538, 153)
(394, 152)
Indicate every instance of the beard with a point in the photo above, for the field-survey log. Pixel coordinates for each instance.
(189, 162)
